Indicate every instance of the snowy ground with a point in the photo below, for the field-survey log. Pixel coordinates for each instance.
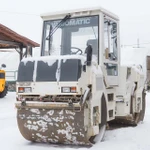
(130, 138)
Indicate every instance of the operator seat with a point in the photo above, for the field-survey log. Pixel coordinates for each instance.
(94, 44)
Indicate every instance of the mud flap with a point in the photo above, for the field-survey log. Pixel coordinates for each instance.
(61, 126)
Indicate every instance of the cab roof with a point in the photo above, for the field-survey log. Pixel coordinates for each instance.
(77, 12)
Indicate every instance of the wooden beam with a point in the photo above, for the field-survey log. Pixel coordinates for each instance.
(7, 50)
(10, 43)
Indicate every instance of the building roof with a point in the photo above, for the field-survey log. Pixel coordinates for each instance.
(11, 39)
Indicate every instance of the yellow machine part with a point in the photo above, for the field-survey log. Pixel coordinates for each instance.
(2, 80)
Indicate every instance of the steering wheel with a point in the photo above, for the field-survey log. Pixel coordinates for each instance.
(78, 50)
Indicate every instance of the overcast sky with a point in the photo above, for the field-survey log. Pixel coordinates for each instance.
(23, 16)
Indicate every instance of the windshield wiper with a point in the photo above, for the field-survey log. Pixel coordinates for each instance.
(52, 30)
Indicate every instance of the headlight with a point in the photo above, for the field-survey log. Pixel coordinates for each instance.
(65, 89)
(24, 89)
(68, 89)
(27, 89)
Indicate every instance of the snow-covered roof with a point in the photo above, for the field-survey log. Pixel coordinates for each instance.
(11, 39)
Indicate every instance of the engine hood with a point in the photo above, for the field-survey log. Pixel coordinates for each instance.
(51, 69)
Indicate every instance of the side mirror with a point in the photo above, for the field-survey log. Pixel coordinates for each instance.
(88, 51)
(3, 66)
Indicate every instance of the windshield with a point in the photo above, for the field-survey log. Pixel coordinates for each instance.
(71, 37)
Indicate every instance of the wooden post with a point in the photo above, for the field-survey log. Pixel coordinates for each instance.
(21, 52)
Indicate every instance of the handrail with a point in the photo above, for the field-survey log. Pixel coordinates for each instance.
(11, 75)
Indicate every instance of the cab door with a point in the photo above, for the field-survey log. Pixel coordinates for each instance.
(110, 51)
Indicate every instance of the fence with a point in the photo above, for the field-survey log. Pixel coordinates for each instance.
(11, 77)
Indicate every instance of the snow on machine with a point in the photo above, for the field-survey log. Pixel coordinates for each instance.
(77, 86)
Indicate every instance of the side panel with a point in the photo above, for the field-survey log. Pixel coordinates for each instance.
(129, 93)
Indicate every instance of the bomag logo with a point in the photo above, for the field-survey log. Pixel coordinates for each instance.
(73, 22)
